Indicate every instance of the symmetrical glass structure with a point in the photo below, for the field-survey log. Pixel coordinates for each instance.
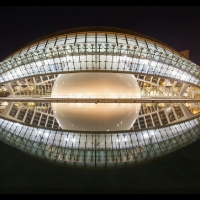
(169, 98)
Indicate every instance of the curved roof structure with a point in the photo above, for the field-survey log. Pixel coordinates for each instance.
(96, 29)
(111, 66)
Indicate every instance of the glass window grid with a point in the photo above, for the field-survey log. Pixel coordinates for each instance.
(124, 137)
(155, 54)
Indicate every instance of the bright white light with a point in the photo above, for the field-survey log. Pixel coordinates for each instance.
(153, 63)
(17, 124)
(4, 103)
(146, 135)
(145, 62)
(74, 140)
(183, 77)
(39, 63)
(174, 72)
(46, 134)
(152, 133)
(66, 139)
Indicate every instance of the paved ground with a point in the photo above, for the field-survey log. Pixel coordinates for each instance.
(178, 172)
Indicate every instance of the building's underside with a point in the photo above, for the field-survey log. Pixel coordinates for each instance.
(168, 81)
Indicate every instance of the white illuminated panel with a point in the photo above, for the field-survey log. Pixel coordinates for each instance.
(105, 63)
(71, 139)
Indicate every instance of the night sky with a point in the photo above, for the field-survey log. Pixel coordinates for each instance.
(178, 27)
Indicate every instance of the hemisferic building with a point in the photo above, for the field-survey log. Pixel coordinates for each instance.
(99, 97)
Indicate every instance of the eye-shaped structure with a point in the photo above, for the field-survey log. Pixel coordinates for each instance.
(99, 97)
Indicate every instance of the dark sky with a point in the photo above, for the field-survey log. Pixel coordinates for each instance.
(178, 27)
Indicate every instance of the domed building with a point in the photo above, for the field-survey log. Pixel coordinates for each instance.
(99, 97)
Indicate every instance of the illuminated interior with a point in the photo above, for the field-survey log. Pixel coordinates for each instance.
(96, 117)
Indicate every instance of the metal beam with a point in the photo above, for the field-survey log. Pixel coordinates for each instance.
(98, 100)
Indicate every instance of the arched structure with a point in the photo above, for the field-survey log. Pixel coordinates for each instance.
(168, 101)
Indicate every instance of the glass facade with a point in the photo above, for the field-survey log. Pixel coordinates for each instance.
(160, 71)
(99, 150)
(118, 52)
